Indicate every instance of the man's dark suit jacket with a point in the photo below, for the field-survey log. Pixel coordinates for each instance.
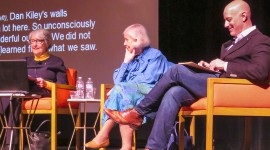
(249, 58)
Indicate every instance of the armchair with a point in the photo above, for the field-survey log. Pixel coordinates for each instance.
(227, 97)
(55, 105)
(105, 88)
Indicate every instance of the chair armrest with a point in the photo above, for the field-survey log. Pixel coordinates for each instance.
(104, 89)
(228, 81)
(60, 93)
(227, 92)
(65, 86)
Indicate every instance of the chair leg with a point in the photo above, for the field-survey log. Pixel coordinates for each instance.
(247, 138)
(21, 133)
(192, 129)
(53, 132)
(209, 132)
(134, 141)
(181, 131)
(78, 135)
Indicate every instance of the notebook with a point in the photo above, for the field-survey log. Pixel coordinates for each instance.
(14, 76)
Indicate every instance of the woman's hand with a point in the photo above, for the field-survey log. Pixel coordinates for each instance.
(41, 82)
(129, 56)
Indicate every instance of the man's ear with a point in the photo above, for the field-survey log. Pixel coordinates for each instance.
(244, 16)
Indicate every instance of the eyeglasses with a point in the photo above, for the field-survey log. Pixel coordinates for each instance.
(36, 41)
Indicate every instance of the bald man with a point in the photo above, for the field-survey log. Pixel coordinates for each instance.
(247, 56)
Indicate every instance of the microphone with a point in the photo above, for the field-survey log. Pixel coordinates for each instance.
(39, 62)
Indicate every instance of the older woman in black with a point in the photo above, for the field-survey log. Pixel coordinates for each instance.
(43, 69)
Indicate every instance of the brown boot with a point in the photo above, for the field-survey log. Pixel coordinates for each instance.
(129, 116)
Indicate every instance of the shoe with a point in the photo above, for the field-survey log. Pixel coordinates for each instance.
(7, 147)
(129, 116)
(94, 145)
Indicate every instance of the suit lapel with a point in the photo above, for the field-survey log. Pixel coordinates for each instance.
(238, 45)
(224, 48)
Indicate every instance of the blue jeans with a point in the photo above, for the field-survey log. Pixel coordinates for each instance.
(178, 87)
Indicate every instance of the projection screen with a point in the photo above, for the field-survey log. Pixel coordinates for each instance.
(87, 34)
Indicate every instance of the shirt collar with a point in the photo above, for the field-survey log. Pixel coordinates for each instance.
(143, 52)
(244, 33)
(42, 57)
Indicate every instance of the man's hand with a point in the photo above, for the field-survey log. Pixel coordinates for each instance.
(129, 55)
(217, 65)
(204, 64)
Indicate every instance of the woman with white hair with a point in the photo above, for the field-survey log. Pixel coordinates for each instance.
(142, 67)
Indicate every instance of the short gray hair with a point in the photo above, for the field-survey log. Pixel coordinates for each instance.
(43, 34)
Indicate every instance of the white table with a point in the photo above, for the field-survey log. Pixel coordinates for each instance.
(4, 120)
(84, 127)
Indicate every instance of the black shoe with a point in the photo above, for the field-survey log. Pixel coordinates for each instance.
(7, 147)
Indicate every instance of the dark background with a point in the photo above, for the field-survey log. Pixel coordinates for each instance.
(193, 30)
